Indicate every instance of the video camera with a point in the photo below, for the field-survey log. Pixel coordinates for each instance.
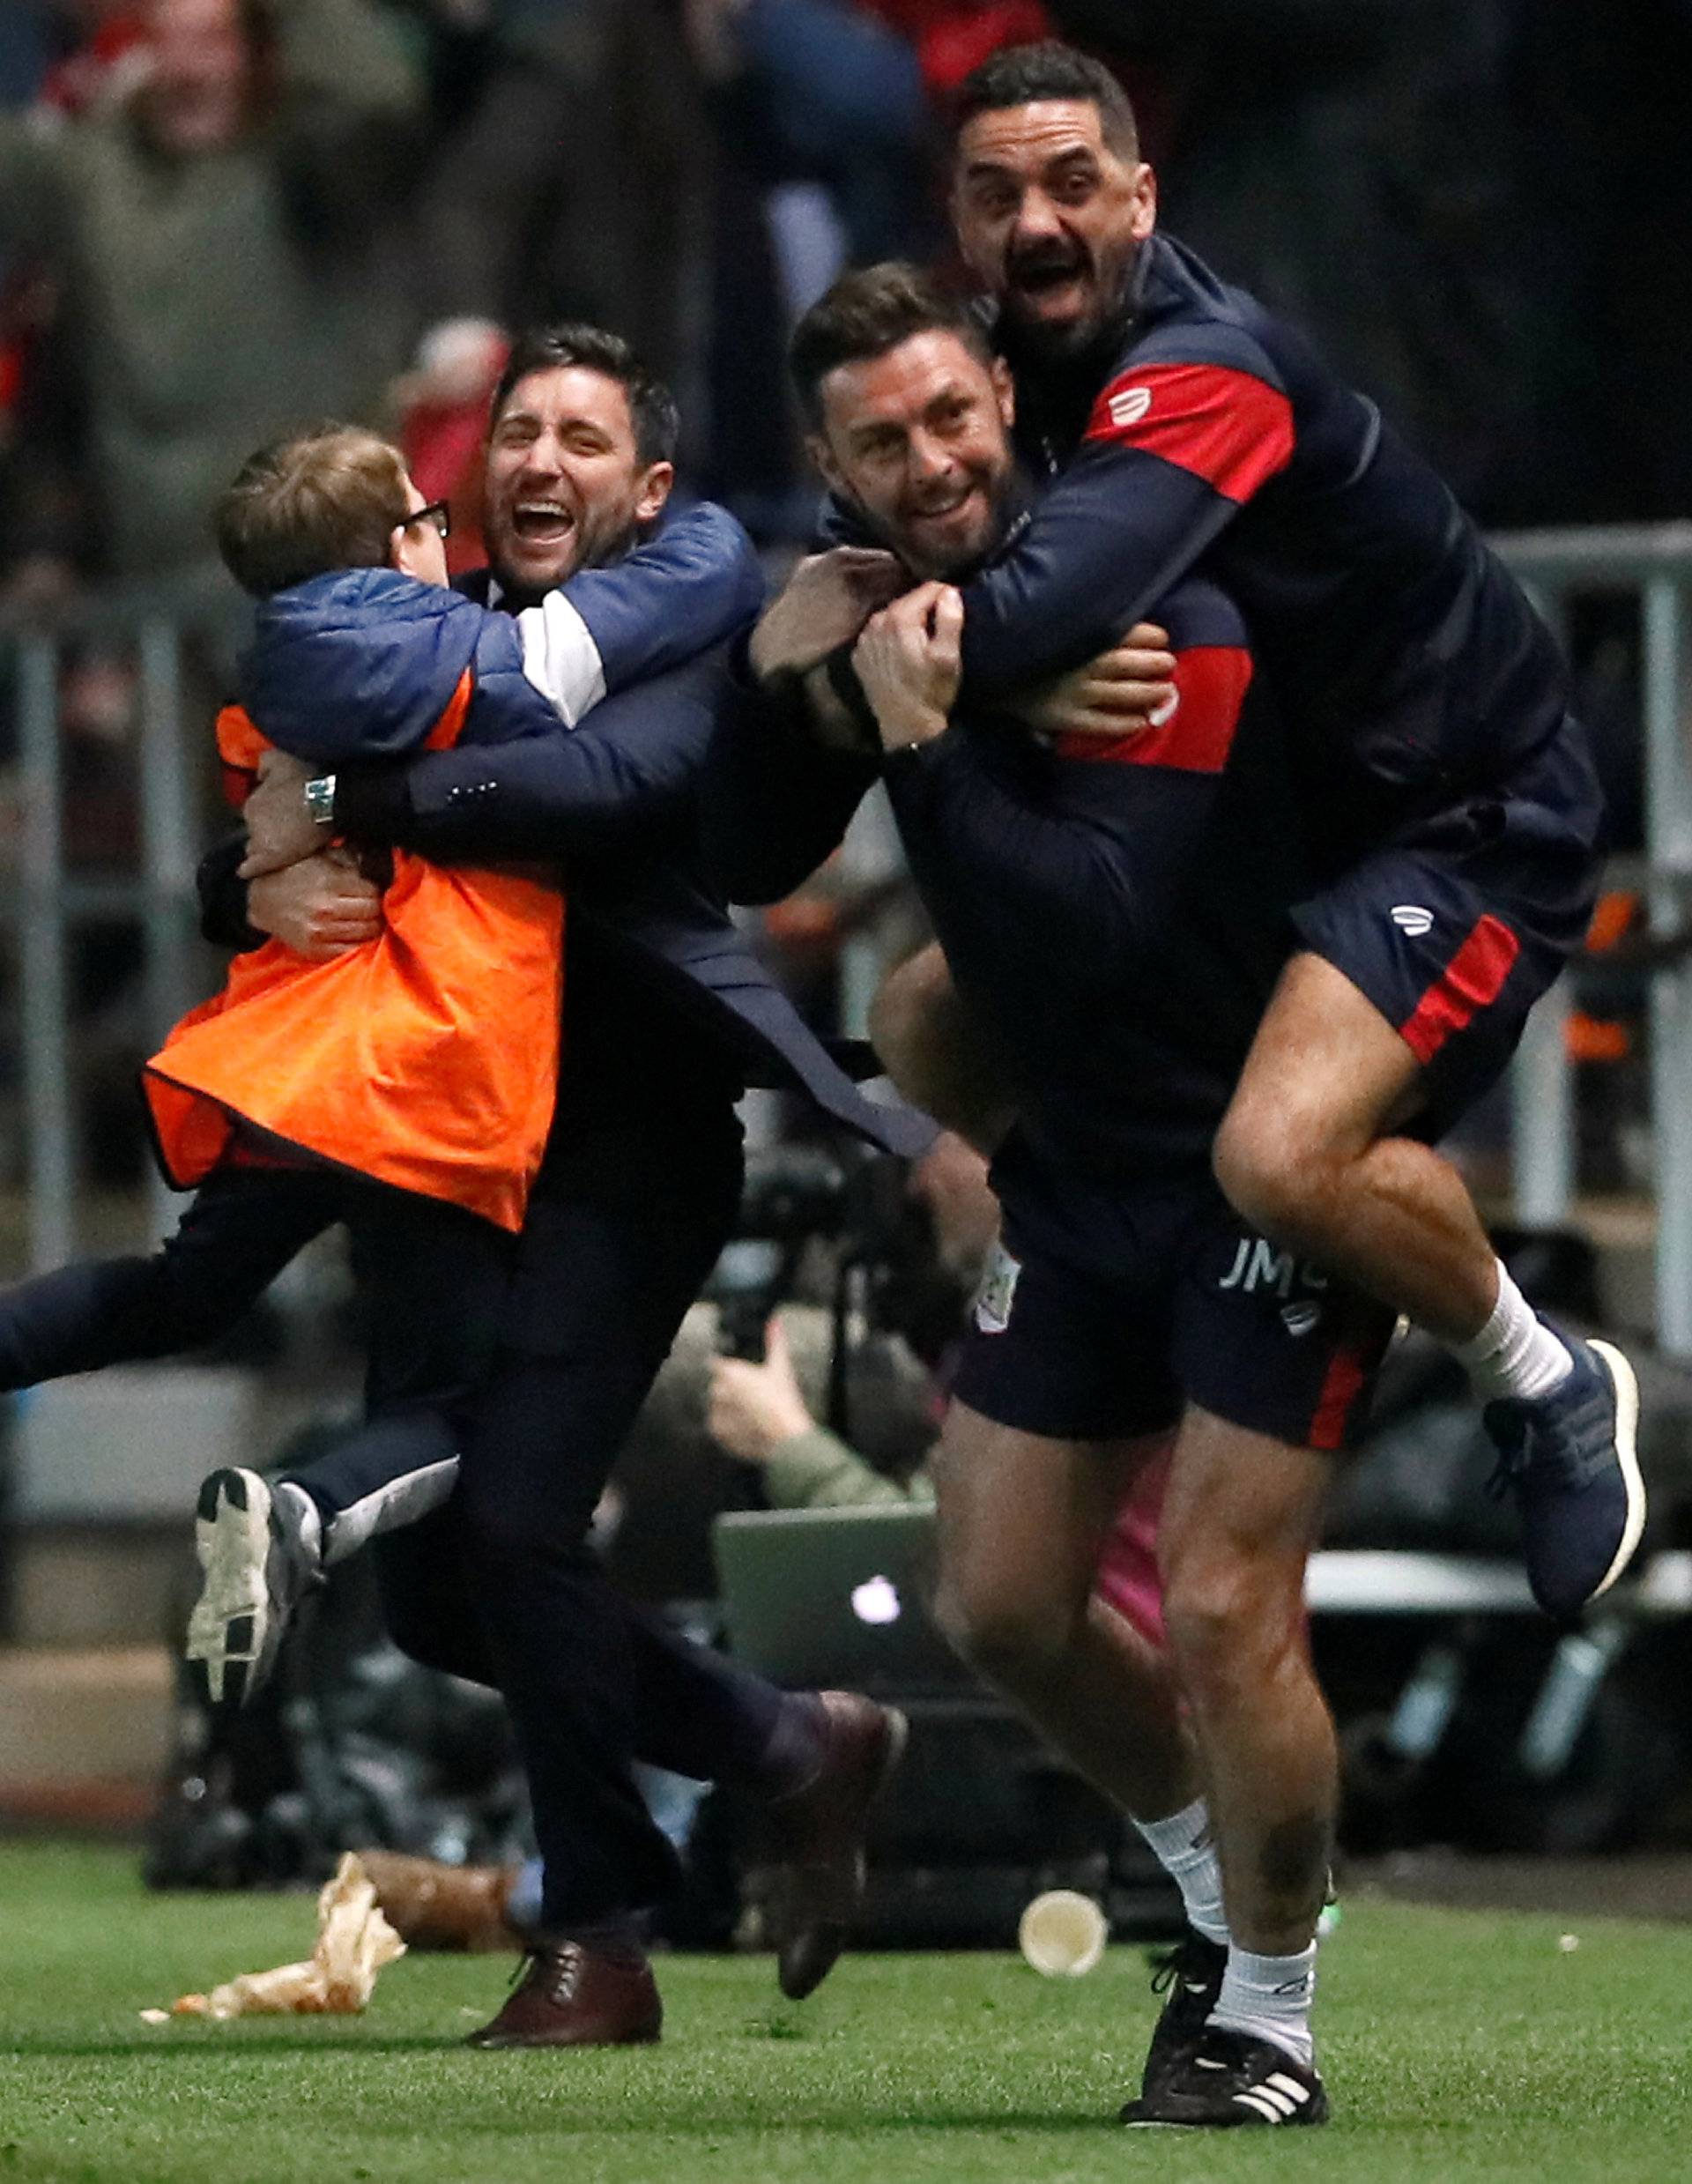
(880, 1245)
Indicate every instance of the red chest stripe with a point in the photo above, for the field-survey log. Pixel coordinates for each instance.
(1211, 681)
(1225, 426)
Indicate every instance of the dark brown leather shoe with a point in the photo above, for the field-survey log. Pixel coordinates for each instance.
(572, 1995)
(816, 1837)
(433, 1906)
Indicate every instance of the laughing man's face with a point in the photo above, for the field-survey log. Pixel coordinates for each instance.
(919, 440)
(1049, 218)
(565, 488)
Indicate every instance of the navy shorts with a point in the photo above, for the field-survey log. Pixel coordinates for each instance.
(1104, 1312)
(1455, 926)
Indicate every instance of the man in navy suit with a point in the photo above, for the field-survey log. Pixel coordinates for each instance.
(669, 1018)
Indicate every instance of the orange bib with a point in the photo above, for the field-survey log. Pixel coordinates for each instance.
(427, 1059)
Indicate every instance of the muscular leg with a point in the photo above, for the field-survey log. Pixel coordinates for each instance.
(1240, 1517)
(1021, 1520)
(1305, 1154)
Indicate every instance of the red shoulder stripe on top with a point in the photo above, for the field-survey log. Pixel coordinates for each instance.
(1211, 681)
(1230, 429)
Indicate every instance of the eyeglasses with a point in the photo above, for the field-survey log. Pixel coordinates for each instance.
(437, 512)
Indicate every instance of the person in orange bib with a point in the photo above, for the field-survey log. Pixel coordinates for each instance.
(404, 1088)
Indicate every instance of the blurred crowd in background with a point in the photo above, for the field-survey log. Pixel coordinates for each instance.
(217, 216)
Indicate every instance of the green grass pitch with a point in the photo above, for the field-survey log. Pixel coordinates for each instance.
(1457, 2046)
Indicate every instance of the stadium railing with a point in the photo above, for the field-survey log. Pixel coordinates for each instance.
(1653, 564)
(44, 900)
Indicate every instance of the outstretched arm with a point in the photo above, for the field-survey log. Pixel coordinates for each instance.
(782, 786)
(776, 801)
(372, 664)
(620, 783)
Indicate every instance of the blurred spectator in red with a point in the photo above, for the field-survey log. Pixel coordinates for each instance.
(215, 220)
(110, 55)
(443, 404)
(951, 37)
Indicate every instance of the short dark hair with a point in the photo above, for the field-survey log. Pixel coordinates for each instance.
(866, 314)
(328, 497)
(1025, 75)
(651, 407)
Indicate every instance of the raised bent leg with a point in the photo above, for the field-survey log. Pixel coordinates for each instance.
(1305, 1154)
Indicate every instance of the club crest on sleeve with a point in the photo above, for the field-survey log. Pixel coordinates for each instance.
(1128, 408)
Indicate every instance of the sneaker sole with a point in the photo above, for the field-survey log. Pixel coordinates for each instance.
(1171, 2124)
(1626, 1383)
(229, 1627)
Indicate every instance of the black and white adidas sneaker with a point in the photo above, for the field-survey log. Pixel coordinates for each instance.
(1229, 2078)
(255, 1565)
(1189, 1979)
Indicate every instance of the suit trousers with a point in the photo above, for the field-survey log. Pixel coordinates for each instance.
(635, 1201)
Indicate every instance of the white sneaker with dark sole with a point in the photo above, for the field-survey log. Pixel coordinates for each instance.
(254, 1566)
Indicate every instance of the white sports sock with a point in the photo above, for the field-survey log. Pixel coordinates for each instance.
(1269, 1998)
(1515, 1354)
(1183, 1848)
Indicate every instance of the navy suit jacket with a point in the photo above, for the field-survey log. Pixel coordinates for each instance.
(616, 803)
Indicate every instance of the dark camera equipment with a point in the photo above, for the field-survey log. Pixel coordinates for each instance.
(854, 1200)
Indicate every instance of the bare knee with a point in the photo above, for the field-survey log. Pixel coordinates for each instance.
(1010, 1639)
(1275, 1171)
(1231, 1623)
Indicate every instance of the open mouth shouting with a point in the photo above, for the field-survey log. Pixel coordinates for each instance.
(543, 523)
(1050, 280)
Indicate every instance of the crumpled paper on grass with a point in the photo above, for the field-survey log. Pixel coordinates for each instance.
(354, 1940)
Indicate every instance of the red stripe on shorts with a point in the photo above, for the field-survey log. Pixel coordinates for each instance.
(1469, 983)
(1342, 1383)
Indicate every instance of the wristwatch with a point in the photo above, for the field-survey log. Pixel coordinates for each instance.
(319, 799)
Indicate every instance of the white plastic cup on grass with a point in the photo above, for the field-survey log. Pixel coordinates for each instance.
(1062, 1934)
